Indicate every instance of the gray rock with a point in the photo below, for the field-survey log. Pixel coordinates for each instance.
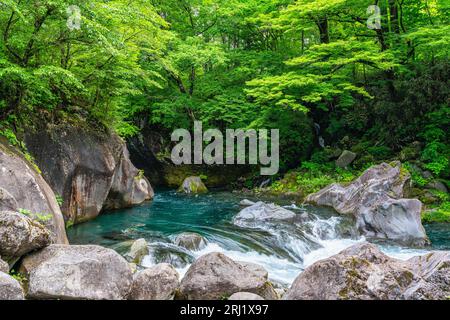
(77, 272)
(89, 168)
(193, 185)
(215, 276)
(22, 187)
(190, 240)
(139, 249)
(261, 211)
(345, 159)
(437, 185)
(246, 203)
(245, 296)
(4, 267)
(375, 200)
(10, 288)
(157, 283)
(364, 272)
(20, 235)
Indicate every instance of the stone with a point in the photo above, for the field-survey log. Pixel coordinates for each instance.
(345, 159)
(246, 203)
(20, 235)
(193, 185)
(156, 283)
(191, 241)
(23, 188)
(437, 185)
(4, 267)
(77, 272)
(139, 249)
(363, 272)
(10, 288)
(245, 296)
(375, 200)
(261, 211)
(215, 276)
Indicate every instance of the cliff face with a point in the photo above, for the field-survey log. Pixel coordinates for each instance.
(89, 169)
(22, 188)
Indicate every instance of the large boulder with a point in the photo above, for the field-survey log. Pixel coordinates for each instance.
(215, 276)
(10, 288)
(77, 272)
(345, 159)
(375, 199)
(193, 185)
(19, 235)
(190, 240)
(22, 187)
(89, 168)
(261, 211)
(364, 272)
(156, 283)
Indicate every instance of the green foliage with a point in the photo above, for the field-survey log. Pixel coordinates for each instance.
(40, 217)
(59, 200)
(439, 214)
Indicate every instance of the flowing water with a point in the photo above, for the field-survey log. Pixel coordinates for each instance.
(284, 249)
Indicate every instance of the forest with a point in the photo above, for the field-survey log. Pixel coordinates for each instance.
(329, 74)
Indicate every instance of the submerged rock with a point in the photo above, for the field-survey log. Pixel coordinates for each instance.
(375, 200)
(22, 187)
(245, 296)
(261, 211)
(215, 276)
(19, 235)
(10, 288)
(156, 283)
(364, 272)
(191, 241)
(77, 272)
(89, 168)
(193, 185)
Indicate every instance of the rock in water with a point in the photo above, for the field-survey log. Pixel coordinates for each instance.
(364, 272)
(345, 159)
(20, 235)
(139, 249)
(22, 187)
(157, 283)
(193, 185)
(246, 203)
(261, 211)
(10, 288)
(375, 200)
(215, 276)
(245, 296)
(4, 267)
(191, 241)
(89, 168)
(77, 272)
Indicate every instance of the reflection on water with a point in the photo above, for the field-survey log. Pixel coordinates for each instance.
(284, 249)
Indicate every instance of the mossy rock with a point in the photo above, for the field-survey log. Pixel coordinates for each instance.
(193, 185)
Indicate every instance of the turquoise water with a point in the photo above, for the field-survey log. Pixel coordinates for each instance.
(283, 249)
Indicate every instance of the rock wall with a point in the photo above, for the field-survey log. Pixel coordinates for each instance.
(89, 168)
(22, 188)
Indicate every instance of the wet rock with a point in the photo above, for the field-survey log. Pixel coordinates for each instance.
(245, 296)
(4, 267)
(77, 272)
(193, 185)
(156, 283)
(364, 272)
(345, 159)
(138, 250)
(89, 168)
(261, 211)
(191, 241)
(22, 187)
(170, 255)
(215, 276)
(10, 288)
(246, 203)
(20, 235)
(375, 201)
